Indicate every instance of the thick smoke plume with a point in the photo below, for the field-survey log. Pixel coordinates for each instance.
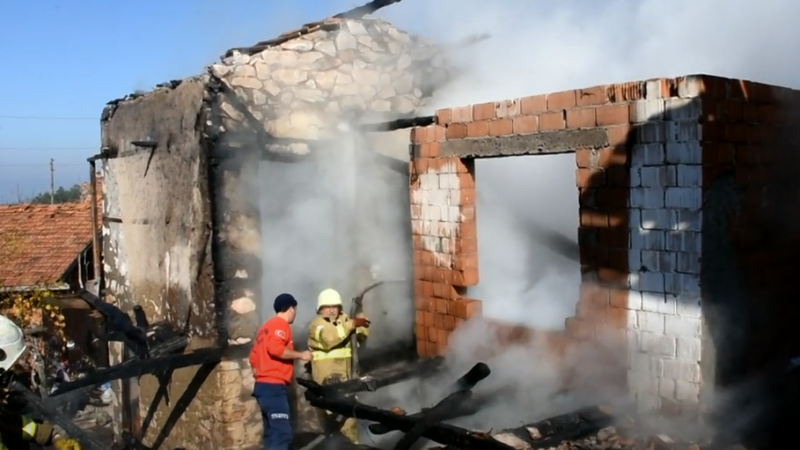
(538, 47)
(527, 239)
(330, 222)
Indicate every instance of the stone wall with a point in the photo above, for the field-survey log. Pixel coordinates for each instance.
(653, 159)
(349, 69)
(156, 235)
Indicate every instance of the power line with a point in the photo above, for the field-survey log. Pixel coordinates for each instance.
(22, 149)
(45, 164)
(47, 118)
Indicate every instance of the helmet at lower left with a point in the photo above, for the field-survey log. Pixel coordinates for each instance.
(12, 343)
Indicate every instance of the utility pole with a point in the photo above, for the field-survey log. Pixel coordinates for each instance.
(52, 183)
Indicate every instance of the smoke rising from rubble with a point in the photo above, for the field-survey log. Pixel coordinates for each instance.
(537, 47)
(527, 239)
(331, 220)
(314, 239)
(540, 47)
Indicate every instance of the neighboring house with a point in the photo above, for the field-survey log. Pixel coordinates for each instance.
(49, 247)
(45, 246)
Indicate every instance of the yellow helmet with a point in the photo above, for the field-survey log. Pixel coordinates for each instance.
(328, 297)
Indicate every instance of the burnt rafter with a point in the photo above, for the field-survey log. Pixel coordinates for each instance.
(369, 8)
(458, 403)
(398, 124)
(442, 433)
(420, 369)
(328, 24)
(555, 430)
(426, 424)
(448, 408)
(149, 144)
(262, 138)
(35, 406)
(135, 368)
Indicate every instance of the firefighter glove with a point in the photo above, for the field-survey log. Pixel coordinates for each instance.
(360, 322)
(66, 444)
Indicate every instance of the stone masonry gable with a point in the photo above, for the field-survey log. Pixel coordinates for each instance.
(341, 70)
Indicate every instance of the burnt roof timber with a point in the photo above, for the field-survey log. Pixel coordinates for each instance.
(327, 24)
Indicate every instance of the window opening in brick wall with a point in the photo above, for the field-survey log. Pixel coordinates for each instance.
(527, 220)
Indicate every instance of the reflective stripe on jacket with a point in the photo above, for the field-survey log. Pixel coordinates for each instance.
(15, 428)
(319, 346)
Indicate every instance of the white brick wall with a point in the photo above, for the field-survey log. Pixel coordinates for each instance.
(438, 214)
(664, 259)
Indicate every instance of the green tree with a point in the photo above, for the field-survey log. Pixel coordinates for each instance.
(61, 195)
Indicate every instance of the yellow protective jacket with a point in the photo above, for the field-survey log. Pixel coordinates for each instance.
(17, 431)
(329, 342)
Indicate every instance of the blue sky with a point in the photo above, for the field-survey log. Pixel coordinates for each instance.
(66, 59)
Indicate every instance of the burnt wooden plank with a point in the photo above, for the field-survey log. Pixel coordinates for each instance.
(381, 378)
(553, 142)
(442, 433)
(553, 431)
(458, 403)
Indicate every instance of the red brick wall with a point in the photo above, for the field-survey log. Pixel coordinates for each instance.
(607, 311)
(749, 135)
(601, 176)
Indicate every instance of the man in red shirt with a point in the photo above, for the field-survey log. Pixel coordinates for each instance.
(272, 359)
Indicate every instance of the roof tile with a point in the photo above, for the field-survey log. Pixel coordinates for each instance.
(39, 242)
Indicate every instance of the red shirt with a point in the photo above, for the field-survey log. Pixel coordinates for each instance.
(272, 339)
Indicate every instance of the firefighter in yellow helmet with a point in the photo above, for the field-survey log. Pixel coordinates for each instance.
(329, 341)
(17, 430)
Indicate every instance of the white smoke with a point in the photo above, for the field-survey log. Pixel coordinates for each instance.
(521, 202)
(539, 47)
(331, 221)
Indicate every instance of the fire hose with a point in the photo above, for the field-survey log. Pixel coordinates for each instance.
(355, 308)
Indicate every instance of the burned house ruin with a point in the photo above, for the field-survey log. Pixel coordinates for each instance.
(684, 187)
(265, 121)
(678, 181)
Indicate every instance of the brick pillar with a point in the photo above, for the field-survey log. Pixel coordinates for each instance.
(445, 240)
(749, 143)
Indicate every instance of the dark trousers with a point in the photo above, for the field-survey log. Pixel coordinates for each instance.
(274, 402)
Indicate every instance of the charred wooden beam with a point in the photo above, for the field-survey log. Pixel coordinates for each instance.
(105, 153)
(363, 10)
(164, 341)
(555, 430)
(456, 404)
(328, 24)
(136, 368)
(442, 410)
(145, 144)
(35, 406)
(285, 37)
(119, 324)
(442, 433)
(381, 378)
(398, 124)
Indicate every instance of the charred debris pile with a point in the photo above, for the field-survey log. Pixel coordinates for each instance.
(588, 428)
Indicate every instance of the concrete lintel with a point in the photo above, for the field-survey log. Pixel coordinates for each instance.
(564, 141)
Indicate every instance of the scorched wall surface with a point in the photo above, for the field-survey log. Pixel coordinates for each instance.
(644, 167)
(156, 230)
